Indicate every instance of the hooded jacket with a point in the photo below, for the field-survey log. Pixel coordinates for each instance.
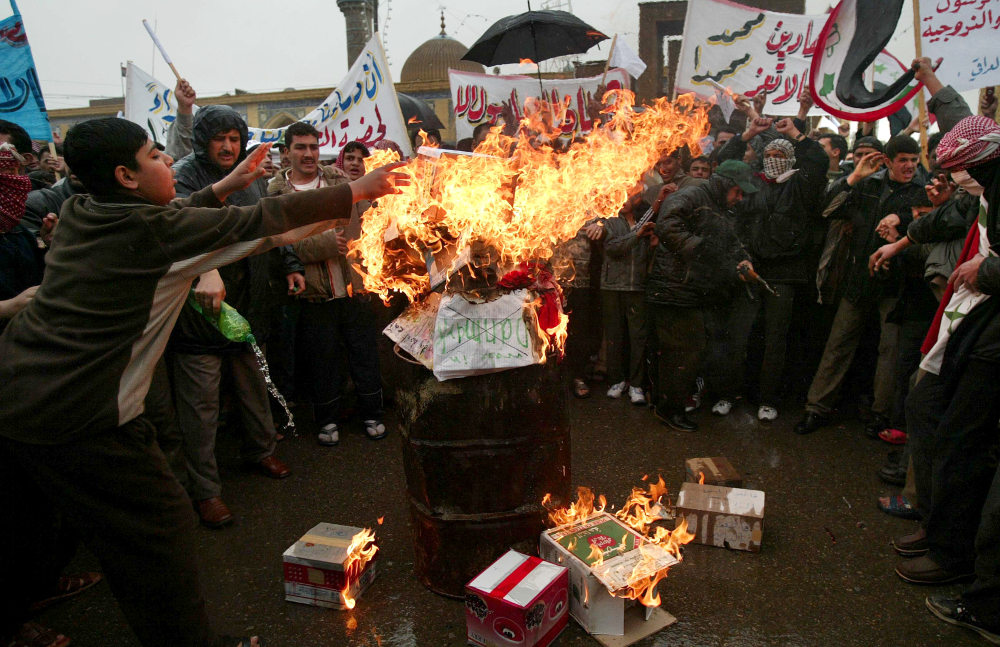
(695, 263)
(252, 284)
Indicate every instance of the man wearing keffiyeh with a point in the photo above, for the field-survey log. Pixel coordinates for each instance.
(953, 411)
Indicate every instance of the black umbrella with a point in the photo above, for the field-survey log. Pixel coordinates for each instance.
(537, 35)
(417, 113)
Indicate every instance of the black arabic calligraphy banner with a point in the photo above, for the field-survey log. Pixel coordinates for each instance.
(479, 98)
(747, 50)
(966, 35)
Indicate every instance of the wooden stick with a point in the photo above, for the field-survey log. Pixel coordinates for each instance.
(52, 152)
(607, 63)
(921, 105)
(159, 46)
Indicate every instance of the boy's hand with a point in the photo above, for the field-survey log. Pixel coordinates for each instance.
(210, 292)
(381, 181)
(867, 165)
(48, 228)
(244, 174)
(296, 283)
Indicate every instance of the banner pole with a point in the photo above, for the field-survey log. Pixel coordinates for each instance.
(607, 63)
(52, 152)
(921, 105)
(159, 46)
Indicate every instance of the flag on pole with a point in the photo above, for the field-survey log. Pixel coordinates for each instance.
(850, 42)
(625, 58)
(21, 98)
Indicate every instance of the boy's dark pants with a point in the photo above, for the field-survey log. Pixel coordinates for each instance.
(116, 489)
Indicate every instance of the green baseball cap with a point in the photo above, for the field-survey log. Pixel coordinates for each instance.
(738, 172)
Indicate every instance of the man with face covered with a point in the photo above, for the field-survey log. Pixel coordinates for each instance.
(197, 351)
(777, 226)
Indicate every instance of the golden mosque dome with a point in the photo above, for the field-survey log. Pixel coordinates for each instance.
(430, 61)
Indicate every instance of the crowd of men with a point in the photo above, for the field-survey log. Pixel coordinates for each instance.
(754, 272)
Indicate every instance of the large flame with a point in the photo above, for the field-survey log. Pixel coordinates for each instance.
(517, 197)
(360, 551)
(640, 512)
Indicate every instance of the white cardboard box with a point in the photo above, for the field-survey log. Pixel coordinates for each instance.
(314, 567)
(723, 516)
(590, 600)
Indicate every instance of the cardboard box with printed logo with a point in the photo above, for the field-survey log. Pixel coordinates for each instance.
(518, 600)
(314, 568)
(612, 620)
(717, 471)
(723, 516)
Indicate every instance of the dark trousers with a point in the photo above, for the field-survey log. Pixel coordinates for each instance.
(584, 333)
(983, 597)
(680, 334)
(952, 426)
(329, 333)
(116, 489)
(626, 330)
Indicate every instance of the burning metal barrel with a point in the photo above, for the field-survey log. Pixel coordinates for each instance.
(479, 454)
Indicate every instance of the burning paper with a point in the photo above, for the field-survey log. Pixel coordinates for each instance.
(518, 197)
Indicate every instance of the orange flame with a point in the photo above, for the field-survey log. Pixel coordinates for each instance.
(526, 61)
(518, 197)
(413, 120)
(360, 551)
(701, 478)
(640, 512)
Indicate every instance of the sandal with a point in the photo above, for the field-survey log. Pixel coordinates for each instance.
(67, 587)
(893, 436)
(898, 506)
(375, 429)
(580, 388)
(32, 634)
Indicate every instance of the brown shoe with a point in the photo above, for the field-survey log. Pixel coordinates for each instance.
(214, 513)
(912, 545)
(273, 467)
(924, 570)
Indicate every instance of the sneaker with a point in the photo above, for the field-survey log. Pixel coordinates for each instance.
(616, 390)
(722, 407)
(329, 435)
(766, 413)
(375, 429)
(636, 395)
(953, 611)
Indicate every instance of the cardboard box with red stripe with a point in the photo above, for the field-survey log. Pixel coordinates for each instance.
(519, 600)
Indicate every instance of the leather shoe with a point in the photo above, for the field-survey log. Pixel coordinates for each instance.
(911, 545)
(213, 512)
(811, 422)
(273, 467)
(924, 570)
(678, 421)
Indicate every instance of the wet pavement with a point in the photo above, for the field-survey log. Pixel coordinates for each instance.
(824, 575)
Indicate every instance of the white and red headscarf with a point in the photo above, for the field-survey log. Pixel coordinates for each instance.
(973, 141)
(14, 188)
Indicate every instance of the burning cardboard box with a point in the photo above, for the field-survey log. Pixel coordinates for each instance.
(723, 516)
(518, 599)
(712, 471)
(602, 554)
(330, 566)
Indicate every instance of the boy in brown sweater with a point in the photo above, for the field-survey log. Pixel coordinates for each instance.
(77, 362)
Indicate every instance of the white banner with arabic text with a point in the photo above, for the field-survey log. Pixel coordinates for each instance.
(965, 34)
(479, 98)
(747, 50)
(363, 107)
